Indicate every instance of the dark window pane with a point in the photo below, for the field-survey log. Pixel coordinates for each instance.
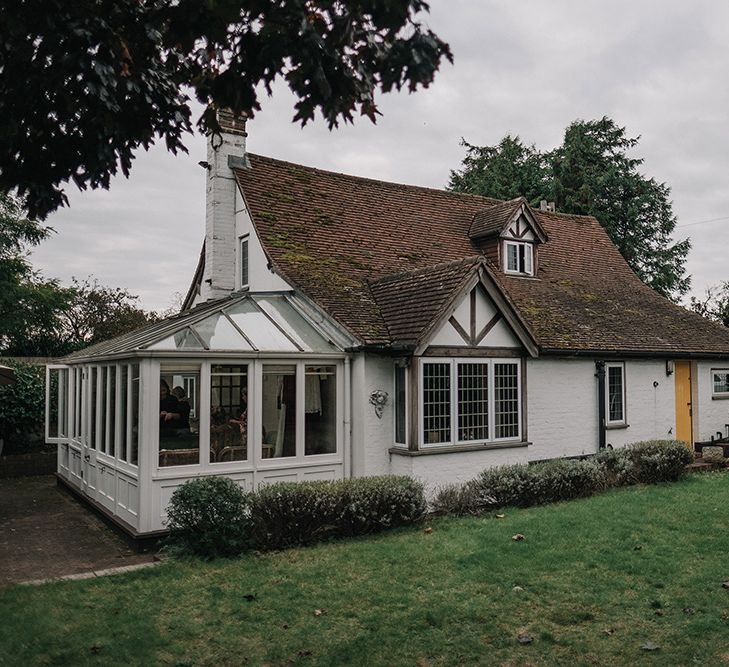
(179, 437)
(400, 405)
(228, 414)
(320, 408)
(279, 411)
(506, 400)
(473, 396)
(436, 403)
(615, 393)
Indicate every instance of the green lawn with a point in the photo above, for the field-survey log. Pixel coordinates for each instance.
(600, 577)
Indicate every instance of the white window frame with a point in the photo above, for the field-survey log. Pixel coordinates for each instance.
(63, 397)
(407, 399)
(528, 258)
(244, 239)
(255, 461)
(454, 362)
(623, 419)
(714, 393)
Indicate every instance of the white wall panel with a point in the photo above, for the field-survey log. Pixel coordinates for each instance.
(710, 415)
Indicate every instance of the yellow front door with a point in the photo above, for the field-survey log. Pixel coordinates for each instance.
(684, 428)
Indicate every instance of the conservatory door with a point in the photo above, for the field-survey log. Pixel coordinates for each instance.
(59, 412)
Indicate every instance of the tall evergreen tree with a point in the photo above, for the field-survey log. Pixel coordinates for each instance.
(505, 171)
(591, 173)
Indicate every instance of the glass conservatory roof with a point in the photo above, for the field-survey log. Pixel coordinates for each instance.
(247, 323)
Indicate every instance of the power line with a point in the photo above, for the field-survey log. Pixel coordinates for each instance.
(702, 222)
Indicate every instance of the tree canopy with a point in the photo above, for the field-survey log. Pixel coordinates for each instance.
(591, 173)
(714, 304)
(505, 171)
(41, 318)
(85, 84)
(30, 305)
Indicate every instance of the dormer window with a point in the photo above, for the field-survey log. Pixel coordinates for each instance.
(519, 258)
(509, 234)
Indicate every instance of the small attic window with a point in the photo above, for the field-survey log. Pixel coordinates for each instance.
(519, 258)
(243, 251)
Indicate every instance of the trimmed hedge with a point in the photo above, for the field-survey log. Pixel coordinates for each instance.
(290, 514)
(212, 516)
(22, 408)
(524, 485)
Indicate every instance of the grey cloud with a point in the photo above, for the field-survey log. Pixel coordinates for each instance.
(525, 67)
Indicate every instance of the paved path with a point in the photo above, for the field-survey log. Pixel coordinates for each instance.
(45, 532)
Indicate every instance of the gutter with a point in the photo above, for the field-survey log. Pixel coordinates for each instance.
(633, 354)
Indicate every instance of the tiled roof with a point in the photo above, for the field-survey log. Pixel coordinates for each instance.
(411, 301)
(341, 240)
(492, 220)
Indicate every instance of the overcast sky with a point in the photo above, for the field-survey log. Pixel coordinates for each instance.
(525, 67)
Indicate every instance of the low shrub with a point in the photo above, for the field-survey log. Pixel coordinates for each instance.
(209, 517)
(524, 485)
(292, 513)
(617, 466)
(378, 503)
(22, 408)
(656, 461)
(544, 482)
(289, 514)
(460, 500)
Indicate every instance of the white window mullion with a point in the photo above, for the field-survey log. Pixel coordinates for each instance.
(203, 417)
(454, 402)
(492, 402)
(519, 406)
(300, 409)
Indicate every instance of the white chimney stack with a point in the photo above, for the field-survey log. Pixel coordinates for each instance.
(220, 242)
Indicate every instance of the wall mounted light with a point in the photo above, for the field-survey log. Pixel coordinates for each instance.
(669, 367)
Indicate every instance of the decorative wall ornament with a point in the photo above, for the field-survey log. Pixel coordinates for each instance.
(378, 398)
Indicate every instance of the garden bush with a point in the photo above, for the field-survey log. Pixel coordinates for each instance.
(617, 465)
(544, 482)
(459, 500)
(290, 514)
(656, 461)
(209, 517)
(22, 408)
(524, 485)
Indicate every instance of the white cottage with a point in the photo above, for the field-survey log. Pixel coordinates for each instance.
(340, 326)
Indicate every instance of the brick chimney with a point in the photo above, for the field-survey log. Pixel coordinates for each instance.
(224, 149)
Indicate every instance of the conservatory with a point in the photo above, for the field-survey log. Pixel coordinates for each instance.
(251, 386)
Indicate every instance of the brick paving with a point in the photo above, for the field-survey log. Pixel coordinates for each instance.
(46, 533)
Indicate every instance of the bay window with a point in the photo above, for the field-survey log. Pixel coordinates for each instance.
(470, 401)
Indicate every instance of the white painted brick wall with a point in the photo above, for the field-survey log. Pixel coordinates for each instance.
(378, 434)
(561, 407)
(438, 470)
(650, 411)
(563, 411)
(220, 232)
(713, 414)
(260, 277)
